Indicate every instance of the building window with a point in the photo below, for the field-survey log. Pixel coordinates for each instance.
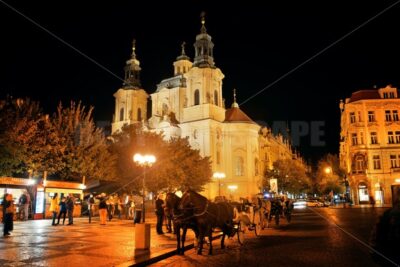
(390, 138)
(393, 161)
(239, 168)
(139, 114)
(385, 95)
(377, 162)
(397, 137)
(360, 166)
(352, 117)
(388, 116)
(354, 139)
(395, 115)
(196, 97)
(121, 114)
(215, 98)
(391, 95)
(371, 116)
(374, 138)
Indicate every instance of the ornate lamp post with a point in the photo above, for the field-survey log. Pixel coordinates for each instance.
(219, 176)
(144, 161)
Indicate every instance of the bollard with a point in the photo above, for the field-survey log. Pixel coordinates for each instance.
(142, 236)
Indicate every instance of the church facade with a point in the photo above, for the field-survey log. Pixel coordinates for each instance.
(191, 104)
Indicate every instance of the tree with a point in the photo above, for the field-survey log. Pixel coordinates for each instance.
(86, 153)
(291, 175)
(23, 136)
(177, 165)
(329, 176)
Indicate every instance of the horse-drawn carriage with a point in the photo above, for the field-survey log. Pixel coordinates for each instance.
(196, 212)
(275, 208)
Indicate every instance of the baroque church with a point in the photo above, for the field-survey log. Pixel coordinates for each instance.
(191, 104)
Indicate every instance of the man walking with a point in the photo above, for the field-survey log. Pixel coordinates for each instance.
(70, 209)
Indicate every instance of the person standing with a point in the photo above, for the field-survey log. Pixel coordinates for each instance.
(90, 203)
(102, 208)
(63, 210)
(70, 209)
(23, 205)
(159, 214)
(54, 208)
(8, 214)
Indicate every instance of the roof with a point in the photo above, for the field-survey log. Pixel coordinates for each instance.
(235, 114)
(364, 94)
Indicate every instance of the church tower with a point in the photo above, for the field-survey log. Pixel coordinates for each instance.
(131, 99)
(204, 82)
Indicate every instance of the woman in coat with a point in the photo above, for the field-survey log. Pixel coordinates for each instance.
(54, 207)
(8, 214)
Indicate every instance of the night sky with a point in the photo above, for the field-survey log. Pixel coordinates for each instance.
(255, 44)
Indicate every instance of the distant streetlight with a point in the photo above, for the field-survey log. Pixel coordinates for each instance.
(328, 170)
(144, 161)
(219, 176)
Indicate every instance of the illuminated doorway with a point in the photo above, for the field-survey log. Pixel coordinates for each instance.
(363, 193)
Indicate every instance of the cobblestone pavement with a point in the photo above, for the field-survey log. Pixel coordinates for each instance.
(309, 240)
(37, 243)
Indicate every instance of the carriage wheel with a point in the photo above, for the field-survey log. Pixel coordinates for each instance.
(240, 232)
(257, 224)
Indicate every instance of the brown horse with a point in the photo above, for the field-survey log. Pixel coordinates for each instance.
(182, 220)
(208, 215)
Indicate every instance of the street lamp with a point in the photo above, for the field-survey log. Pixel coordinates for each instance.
(144, 161)
(219, 176)
(328, 170)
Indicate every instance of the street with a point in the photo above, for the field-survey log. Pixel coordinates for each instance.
(315, 237)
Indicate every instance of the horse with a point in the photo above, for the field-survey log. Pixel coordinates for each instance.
(181, 220)
(208, 215)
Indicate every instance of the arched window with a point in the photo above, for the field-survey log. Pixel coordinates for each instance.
(239, 166)
(139, 114)
(196, 97)
(359, 164)
(216, 98)
(121, 114)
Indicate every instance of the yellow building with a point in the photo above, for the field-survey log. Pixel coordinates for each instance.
(191, 104)
(370, 144)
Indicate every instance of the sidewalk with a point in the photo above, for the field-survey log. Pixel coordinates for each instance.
(37, 243)
(341, 206)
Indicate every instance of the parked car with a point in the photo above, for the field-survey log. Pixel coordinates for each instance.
(299, 204)
(314, 203)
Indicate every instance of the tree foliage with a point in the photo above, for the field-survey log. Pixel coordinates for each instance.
(292, 176)
(67, 145)
(177, 166)
(329, 176)
(86, 152)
